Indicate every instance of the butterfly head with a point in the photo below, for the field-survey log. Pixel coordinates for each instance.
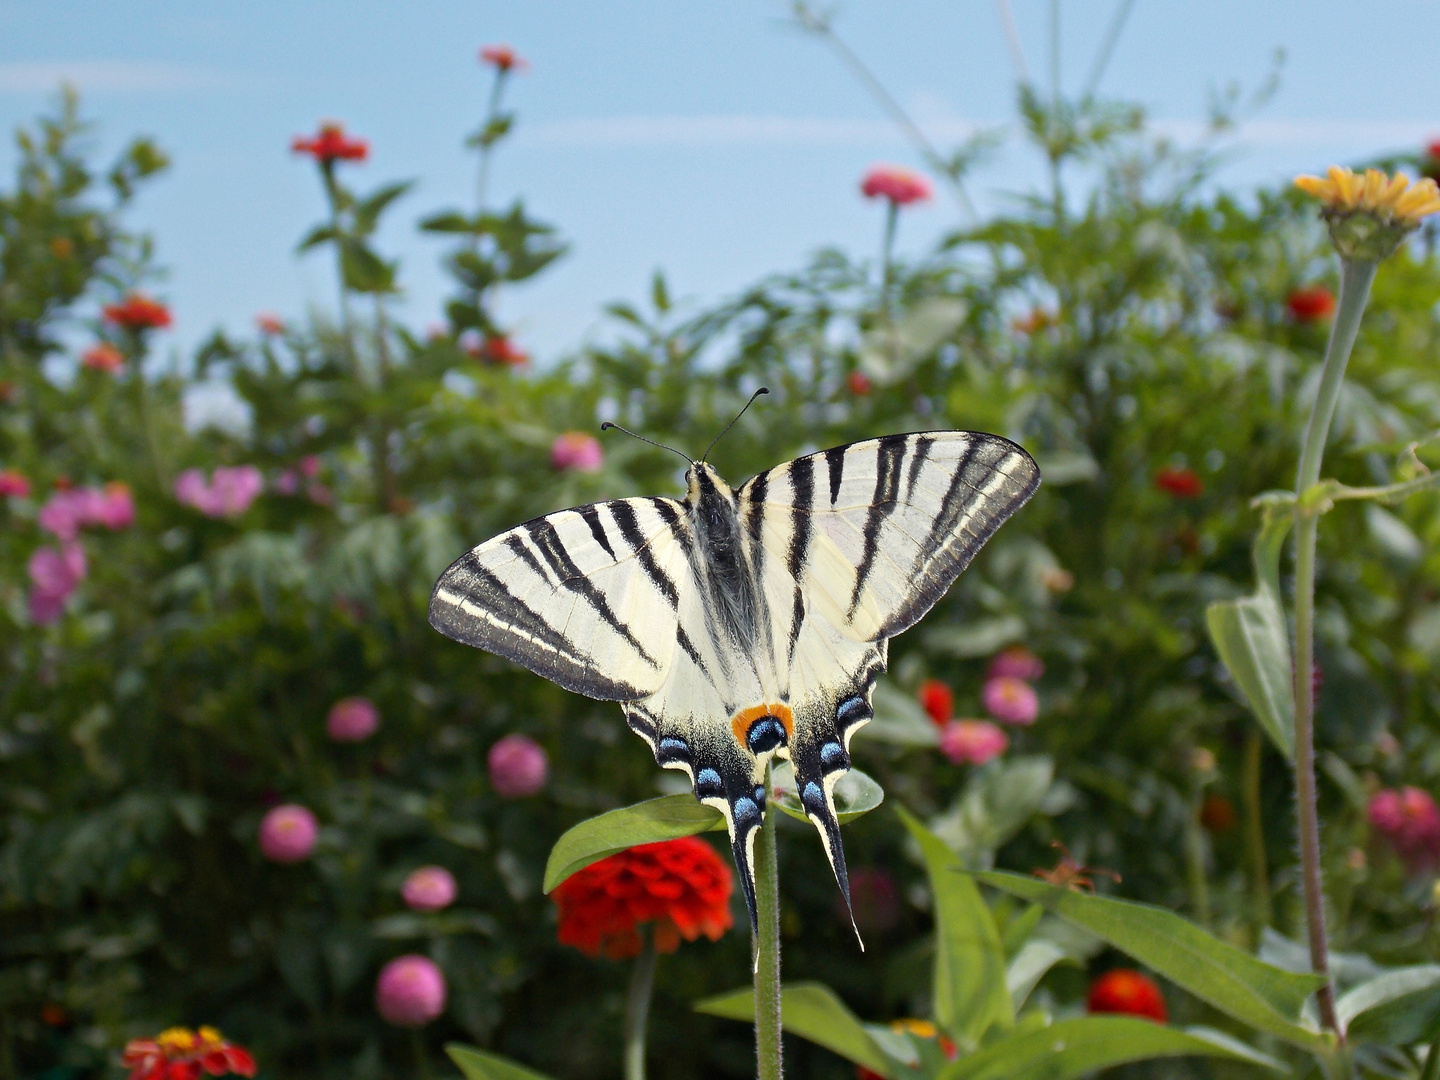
(703, 483)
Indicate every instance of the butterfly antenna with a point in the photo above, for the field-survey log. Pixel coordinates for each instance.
(732, 423)
(607, 425)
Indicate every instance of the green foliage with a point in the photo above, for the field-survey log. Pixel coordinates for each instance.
(665, 818)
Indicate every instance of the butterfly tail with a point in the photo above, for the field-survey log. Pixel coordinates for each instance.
(817, 798)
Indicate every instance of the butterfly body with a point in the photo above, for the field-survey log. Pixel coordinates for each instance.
(740, 625)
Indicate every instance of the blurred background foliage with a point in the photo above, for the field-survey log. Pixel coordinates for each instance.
(1132, 325)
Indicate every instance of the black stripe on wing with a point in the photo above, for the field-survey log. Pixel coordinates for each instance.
(889, 454)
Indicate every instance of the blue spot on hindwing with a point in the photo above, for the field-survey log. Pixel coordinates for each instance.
(708, 784)
(851, 710)
(833, 757)
(744, 810)
(814, 798)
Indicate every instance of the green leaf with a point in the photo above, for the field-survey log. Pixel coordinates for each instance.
(1034, 959)
(970, 992)
(449, 221)
(1253, 639)
(479, 1065)
(1267, 998)
(365, 271)
(665, 818)
(856, 794)
(368, 210)
(321, 234)
(814, 1012)
(1076, 1047)
(899, 719)
(997, 802)
(1398, 1008)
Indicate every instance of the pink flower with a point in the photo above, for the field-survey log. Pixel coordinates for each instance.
(352, 719)
(103, 357)
(1011, 700)
(900, 185)
(320, 495)
(410, 991)
(310, 466)
(65, 512)
(287, 483)
(14, 483)
(1016, 662)
(116, 509)
(518, 766)
(288, 833)
(54, 575)
(228, 494)
(429, 889)
(1410, 821)
(576, 451)
(269, 324)
(972, 742)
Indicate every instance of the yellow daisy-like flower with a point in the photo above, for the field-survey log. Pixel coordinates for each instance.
(1370, 214)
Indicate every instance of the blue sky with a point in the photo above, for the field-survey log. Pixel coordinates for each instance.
(709, 137)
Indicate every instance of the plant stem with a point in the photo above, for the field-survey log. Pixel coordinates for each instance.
(1198, 885)
(1255, 832)
(637, 1006)
(332, 192)
(422, 1059)
(1355, 280)
(767, 950)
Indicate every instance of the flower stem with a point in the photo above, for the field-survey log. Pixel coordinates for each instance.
(767, 950)
(422, 1059)
(1355, 279)
(1255, 833)
(637, 1006)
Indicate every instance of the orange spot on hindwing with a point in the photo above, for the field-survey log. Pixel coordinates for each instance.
(759, 728)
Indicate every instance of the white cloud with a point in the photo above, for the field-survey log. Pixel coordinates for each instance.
(123, 76)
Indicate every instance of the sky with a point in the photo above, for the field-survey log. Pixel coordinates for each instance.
(710, 139)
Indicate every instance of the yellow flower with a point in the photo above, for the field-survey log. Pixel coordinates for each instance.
(1369, 215)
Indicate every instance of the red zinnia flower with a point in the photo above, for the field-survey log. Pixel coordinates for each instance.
(859, 383)
(938, 700)
(1432, 161)
(330, 145)
(137, 312)
(1311, 304)
(900, 185)
(182, 1054)
(501, 350)
(503, 58)
(103, 357)
(1182, 483)
(1129, 992)
(680, 886)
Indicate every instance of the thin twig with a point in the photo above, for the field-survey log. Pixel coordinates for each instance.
(1012, 41)
(1107, 47)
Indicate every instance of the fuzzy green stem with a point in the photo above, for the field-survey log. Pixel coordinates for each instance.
(1355, 280)
(767, 950)
(637, 1006)
(1197, 881)
(422, 1059)
(1255, 832)
(332, 193)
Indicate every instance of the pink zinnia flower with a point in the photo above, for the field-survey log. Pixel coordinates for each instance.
(576, 451)
(310, 466)
(972, 742)
(229, 493)
(900, 185)
(1016, 662)
(1410, 821)
(352, 719)
(518, 766)
(288, 833)
(410, 991)
(103, 357)
(54, 576)
(14, 483)
(429, 889)
(116, 509)
(1011, 700)
(503, 58)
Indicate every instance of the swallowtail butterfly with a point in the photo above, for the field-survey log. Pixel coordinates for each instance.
(737, 625)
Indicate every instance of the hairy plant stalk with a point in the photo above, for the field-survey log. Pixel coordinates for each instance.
(1198, 882)
(1255, 833)
(637, 1006)
(767, 950)
(1355, 279)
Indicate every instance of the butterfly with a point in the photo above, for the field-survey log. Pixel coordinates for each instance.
(736, 626)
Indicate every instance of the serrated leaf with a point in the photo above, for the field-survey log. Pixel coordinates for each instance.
(1253, 639)
(969, 982)
(665, 818)
(856, 794)
(1266, 997)
(1398, 1008)
(480, 1065)
(1073, 1048)
(814, 1012)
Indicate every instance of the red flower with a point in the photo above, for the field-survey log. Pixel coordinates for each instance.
(680, 886)
(1129, 992)
(1311, 304)
(1182, 483)
(270, 324)
(900, 185)
(137, 312)
(182, 1054)
(103, 357)
(1217, 814)
(938, 700)
(1432, 161)
(330, 145)
(501, 350)
(859, 383)
(14, 482)
(503, 58)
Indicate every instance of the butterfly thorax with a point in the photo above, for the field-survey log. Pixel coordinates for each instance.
(721, 564)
